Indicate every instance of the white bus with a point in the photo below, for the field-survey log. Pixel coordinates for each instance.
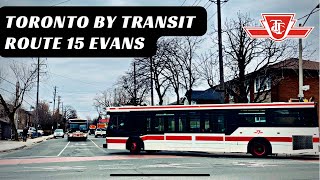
(260, 129)
(78, 129)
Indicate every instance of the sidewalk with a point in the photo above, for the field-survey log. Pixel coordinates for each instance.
(8, 145)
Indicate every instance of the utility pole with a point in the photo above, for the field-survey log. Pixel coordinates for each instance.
(134, 82)
(301, 95)
(62, 115)
(37, 105)
(151, 79)
(54, 98)
(218, 2)
(59, 98)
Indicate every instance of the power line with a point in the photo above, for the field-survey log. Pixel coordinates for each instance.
(15, 85)
(7, 81)
(183, 2)
(198, 3)
(74, 79)
(61, 3)
(308, 14)
(215, 12)
(14, 94)
(195, 2)
(209, 5)
(206, 3)
(59, 75)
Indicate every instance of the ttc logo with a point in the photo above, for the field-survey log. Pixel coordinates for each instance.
(258, 132)
(278, 27)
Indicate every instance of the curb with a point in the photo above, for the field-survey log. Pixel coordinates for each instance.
(24, 146)
(18, 148)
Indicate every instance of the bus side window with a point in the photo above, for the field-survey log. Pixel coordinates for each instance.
(207, 118)
(148, 124)
(194, 121)
(251, 117)
(214, 122)
(157, 124)
(182, 121)
(286, 117)
(171, 124)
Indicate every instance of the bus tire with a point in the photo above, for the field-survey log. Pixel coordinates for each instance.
(135, 147)
(259, 147)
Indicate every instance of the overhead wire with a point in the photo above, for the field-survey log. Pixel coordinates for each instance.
(14, 94)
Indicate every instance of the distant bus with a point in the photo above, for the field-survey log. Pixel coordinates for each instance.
(260, 129)
(78, 129)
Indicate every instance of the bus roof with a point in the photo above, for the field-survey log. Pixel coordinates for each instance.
(213, 106)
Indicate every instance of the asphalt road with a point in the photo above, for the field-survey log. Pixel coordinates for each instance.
(60, 159)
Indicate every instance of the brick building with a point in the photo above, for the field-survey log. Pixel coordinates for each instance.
(278, 82)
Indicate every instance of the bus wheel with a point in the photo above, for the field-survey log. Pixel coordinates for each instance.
(259, 148)
(134, 148)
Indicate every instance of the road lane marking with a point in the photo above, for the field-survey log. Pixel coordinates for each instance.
(116, 165)
(97, 145)
(94, 143)
(63, 149)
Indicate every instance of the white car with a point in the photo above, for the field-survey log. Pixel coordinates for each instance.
(58, 133)
(40, 132)
(100, 132)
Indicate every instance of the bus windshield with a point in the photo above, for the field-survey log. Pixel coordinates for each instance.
(78, 127)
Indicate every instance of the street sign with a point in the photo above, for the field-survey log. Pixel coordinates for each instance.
(306, 87)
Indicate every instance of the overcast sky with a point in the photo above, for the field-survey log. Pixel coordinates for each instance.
(78, 80)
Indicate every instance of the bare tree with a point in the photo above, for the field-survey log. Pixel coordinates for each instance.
(241, 52)
(120, 97)
(45, 118)
(207, 68)
(103, 100)
(136, 85)
(186, 56)
(155, 66)
(172, 71)
(25, 77)
(70, 112)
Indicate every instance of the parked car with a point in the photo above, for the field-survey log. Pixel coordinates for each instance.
(40, 132)
(100, 132)
(31, 132)
(58, 133)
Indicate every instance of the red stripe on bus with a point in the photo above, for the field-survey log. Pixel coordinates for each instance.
(144, 138)
(209, 138)
(116, 140)
(315, 139)
(271, 139)
(279, 139)
(237, 138)
(182, 138)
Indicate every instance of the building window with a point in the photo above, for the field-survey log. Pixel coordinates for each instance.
(262, 83)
